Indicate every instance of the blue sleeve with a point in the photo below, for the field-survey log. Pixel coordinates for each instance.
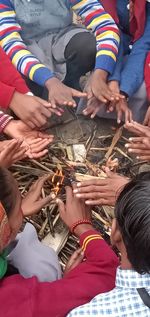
(132, 74)
(119, 63)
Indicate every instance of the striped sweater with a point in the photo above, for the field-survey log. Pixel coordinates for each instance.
(95, 19)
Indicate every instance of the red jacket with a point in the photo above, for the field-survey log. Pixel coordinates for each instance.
(10, 80)
(147, 75)
(29, 298)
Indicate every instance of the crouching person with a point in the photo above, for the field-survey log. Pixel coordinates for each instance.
(83, 279)
(131, 235)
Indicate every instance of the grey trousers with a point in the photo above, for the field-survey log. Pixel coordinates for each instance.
(32, 258)
(138, 103)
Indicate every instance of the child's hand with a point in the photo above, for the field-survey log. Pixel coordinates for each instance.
(74, 210)
(61, 95)
(12, 152)
(98, 87)
(76, 258)
(101, 191)
(32, 202)
(140, 146)
(93, 107)
(138, 129)
(123, 110)
(32, 110)
(35, 141)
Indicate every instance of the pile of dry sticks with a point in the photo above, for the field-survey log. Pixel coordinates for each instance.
(78, 162)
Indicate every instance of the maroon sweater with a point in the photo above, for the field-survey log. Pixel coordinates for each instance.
(21, 297)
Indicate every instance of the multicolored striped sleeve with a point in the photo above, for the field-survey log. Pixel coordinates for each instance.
(15, 48)
(98, 21)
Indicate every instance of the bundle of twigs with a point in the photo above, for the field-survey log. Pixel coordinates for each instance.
(50, 228)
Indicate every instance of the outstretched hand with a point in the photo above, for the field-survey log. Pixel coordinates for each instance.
(36, 142)
(101, 191)
(62, 95)
(33, 111)
(138, 129)
(140, 146)
(12, 152)
(32, 202)
(74, 209)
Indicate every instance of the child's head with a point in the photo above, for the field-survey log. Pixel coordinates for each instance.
(132, 224)
(10, 199)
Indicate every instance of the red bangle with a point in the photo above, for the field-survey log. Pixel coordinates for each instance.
(79, 222)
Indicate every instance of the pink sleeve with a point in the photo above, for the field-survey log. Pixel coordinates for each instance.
(4, 120)
(147, 75)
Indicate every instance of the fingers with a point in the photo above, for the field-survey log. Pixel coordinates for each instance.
(91, 182)
(143, 157)
(20, 155)
(43, 102)
(52, 102)
(43, 202)
(30, 124)
(11, 153)
(37, 155)
(104, 201)
(39, 183)
(37, 148)
(57, 111)
(92, 195)
(119, 116)
(137, 128)
(69, 195)
(38, 123)
(79, 94)
(45, 136)
(61, 207)
(128, 116)
(95, 112)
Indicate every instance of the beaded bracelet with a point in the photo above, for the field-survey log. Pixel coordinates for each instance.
(79, 222)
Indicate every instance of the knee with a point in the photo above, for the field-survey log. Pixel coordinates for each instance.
(86, 46)
(82, 48)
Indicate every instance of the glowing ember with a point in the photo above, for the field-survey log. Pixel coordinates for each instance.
(57, 181)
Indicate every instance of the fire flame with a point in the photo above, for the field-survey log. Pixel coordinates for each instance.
(57, 181)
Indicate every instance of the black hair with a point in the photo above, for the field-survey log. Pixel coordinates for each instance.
(6, 190)
(132, 212)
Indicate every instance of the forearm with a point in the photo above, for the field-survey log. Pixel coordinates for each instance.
(97, 20)
(13, 45)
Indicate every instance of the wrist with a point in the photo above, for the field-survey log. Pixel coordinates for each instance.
(82, 228)
(50, 82)
(124, 94)
(14, 100)
(101, 73)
